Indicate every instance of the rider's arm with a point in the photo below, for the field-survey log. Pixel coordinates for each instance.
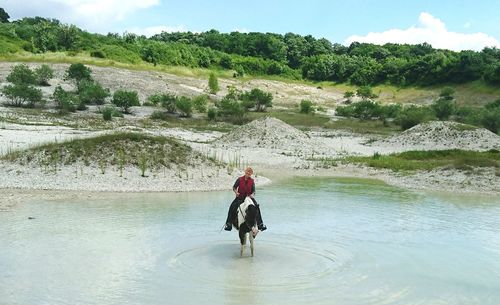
(235, 187)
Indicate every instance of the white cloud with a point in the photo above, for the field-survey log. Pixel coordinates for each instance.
(150, 31)
(430, 30)
(241, 30)
(95, 15)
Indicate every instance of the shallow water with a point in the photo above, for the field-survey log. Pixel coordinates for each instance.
(329, 241)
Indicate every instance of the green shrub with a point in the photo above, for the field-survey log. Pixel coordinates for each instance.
(412, 116)
(169, 102)
(306, 106)
(92, 93)
(43, 74)
(366, 109)
(443, 108)
(159, 115)
(65, 101)
(22, 74)
(107, 113)
(119, 53)
(212, 113)
(213, 84)
(125, 99)
(97, 54)
(200, 103)
(229, 107)
(78, 72)
(22, 95)
(185, 106)
(345, 111)
(491, 119)
(258, 99)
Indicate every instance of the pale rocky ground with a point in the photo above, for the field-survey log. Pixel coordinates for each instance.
(272, 147)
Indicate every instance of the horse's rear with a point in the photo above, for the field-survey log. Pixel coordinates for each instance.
(247, 224)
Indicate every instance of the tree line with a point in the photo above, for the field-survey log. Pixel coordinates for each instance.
(290, 55)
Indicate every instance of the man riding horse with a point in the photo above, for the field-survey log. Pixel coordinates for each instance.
(243, 187)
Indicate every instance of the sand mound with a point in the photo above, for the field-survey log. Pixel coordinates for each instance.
(268, 133)
(439, 135)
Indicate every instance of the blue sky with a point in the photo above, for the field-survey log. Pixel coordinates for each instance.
(457, 24)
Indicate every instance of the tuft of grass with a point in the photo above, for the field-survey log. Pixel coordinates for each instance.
(428, 160)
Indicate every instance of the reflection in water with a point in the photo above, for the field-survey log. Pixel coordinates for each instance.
(329, 242)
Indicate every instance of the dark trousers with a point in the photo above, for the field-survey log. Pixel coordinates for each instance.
(233, 210)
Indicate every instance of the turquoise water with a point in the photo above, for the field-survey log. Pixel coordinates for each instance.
(329, 242)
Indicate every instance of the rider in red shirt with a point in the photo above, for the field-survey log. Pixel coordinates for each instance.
(243, 186)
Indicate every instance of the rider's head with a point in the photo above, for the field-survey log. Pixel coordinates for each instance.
(248, 172)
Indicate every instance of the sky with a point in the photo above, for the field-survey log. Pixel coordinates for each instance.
(445, 24)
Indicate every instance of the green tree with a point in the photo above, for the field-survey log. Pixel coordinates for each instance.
(125, 99)
(413, 115)
(185, 106)
(91, 92)
(22, 95)
(78, 73)
(491, 119)
(65, 101)
(443, 108)
(213, 83)
(259, 98)
(200, 103)
(22, 74)
(306, 106)
(4, 17)
(212, 113)
(365, 92)
(169, 102)
(43, 74)
(447, 93)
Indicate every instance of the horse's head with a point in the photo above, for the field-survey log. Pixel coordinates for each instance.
(250, 212)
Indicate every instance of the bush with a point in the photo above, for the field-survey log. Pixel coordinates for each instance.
(306, 106)
(212, 113)
(155, 99)
(345, 111)
(258, 98)
(159, 115)
(97, 54)
(78, 72)
(200, 103)
(185, 106)
(107, 113)
(366, 109)
(22, 95)
(443, 108)
(365, 92)
(491, 119)
(213, 84)
(229, 107)
(169, 102)
(43, 74)
(447, 93)
(125, 99)
(65, 101)
(91, 92)
(22, 74)
(412, 116)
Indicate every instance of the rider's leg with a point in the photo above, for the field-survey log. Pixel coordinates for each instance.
(231, 214)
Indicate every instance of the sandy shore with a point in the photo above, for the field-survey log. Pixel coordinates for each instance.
(284, 157)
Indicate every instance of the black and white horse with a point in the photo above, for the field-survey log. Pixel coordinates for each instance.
(246, 223)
